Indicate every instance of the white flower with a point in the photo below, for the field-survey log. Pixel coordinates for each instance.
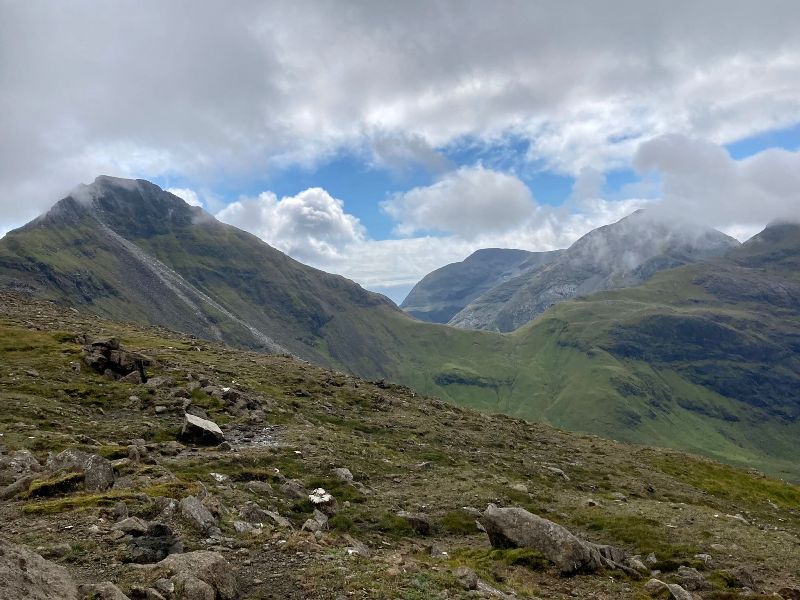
(320, 496)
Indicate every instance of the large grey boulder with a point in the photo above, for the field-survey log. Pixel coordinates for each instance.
(199, 431)
(210, 568)
(517, 528)
(98, 471)
(24, 575)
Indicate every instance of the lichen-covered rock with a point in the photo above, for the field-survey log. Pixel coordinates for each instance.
(26, 575)
(210, 568)
(98, 471)
(517, 528)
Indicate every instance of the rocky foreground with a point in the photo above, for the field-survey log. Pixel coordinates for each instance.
(143, 464)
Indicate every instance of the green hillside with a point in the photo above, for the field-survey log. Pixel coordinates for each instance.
(702, 358)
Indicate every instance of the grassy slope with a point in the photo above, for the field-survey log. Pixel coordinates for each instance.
(412, 453)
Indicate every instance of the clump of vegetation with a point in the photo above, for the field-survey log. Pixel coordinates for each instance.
(58, 485)
(458, 522)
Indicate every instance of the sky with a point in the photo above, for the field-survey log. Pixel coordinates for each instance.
(382, 140)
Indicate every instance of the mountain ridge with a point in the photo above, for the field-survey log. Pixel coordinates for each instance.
(605, 364)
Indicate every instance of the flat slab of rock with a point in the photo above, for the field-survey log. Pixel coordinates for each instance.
(25, 574)
(200, 431)
(518, 528)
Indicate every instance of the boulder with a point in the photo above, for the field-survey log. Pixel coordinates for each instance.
(517, 528)
(692, 579)
(199, 431)
(342, 474)
(658, 588)
(154, 545)
(17, 464)
(101, 591)
(132, 526)
(98, 471)
(198, 515)
(26, 575)
(210, 568)
(108, 357)
(419, 522)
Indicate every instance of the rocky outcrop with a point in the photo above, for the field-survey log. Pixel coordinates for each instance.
(108, 357)
(98, 471)
(26, 575)
(17, 464)
(419, 522)
(198, 575)
(201, 432)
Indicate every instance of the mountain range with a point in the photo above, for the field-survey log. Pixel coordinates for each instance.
(506, 296)
(698, 348)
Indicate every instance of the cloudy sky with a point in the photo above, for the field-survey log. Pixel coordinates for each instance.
(383, 139)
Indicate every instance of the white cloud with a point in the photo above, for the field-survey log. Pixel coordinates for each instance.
(311, 226)
(209, 90)
(469, 202)
(314, 228)
(187, 195)
(702, 181)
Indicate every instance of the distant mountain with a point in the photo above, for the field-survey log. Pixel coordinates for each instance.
(704, 357)
(445, 291)
(619, 255)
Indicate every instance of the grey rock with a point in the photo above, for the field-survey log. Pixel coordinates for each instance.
(101, 591)
(655, 587)
(199, 431)
(692, 579)
(17, 464)
(261, 488)
(26, 575)
(342, 473)
(517, 528)
(419, 522)
(197, 514)
(132, 526)
(98, 471)
(157, 543)
(210, 568)
(467, 578)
